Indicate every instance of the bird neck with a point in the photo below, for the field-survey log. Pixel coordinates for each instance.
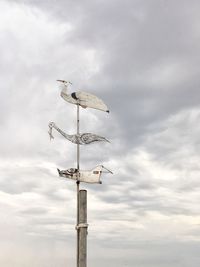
(67, 136)
(64, 89)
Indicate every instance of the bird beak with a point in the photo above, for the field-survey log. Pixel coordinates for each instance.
(50, 133)
(63, 81)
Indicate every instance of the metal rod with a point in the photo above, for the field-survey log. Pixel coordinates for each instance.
(78, 146)
(78, 183)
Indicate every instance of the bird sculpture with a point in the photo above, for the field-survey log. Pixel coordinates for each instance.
(90, 176)
(81, 139)
(85, 100)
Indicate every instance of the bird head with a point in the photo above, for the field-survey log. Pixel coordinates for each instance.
(52, 124)
(63, 85)
(64, 82)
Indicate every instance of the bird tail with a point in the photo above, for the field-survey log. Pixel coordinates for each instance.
(100, 138)
(106, 140)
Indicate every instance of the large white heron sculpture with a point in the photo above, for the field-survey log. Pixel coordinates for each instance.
(81, 139)
(85, 100)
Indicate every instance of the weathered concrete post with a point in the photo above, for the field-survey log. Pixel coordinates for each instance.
(82, 228)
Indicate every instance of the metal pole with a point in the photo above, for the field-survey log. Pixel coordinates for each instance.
(78, 150)
(77, 183)
(82, 228)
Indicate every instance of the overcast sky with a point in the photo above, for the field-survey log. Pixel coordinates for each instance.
(142, 58)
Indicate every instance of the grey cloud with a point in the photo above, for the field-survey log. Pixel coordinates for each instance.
(16, 185)
(35, 211)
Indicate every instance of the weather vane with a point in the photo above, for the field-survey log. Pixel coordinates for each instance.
(85, 100)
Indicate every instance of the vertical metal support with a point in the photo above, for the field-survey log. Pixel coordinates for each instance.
(82, 228)
(77, 182)
(78, 132)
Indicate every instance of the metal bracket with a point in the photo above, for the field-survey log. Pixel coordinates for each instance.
(81, 225)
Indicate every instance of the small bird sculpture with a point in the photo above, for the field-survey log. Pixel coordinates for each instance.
(85, 100)
(89, 176)
(81, 139)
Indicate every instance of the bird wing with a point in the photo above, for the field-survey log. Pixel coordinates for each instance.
(88, 138)
(91, 101)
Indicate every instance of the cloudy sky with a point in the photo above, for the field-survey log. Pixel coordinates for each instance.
(142, 58)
